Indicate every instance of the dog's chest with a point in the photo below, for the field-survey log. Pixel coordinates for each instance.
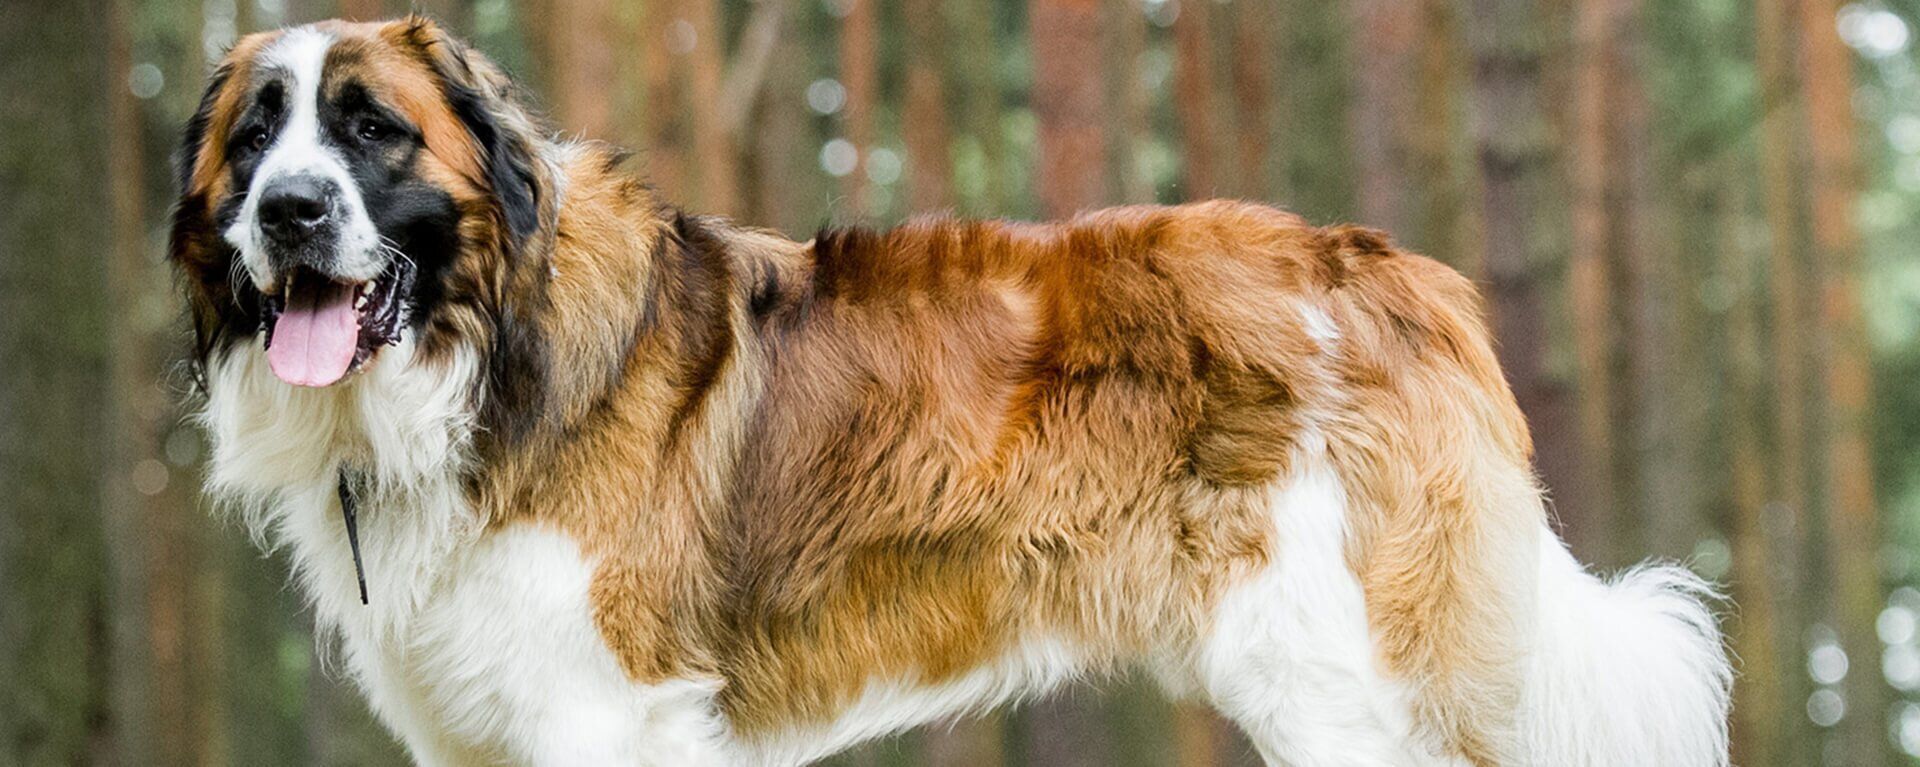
(502, 663)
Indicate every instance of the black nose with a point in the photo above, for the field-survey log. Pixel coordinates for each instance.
(293, 206)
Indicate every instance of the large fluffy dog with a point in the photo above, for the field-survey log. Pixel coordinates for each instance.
(638, 487)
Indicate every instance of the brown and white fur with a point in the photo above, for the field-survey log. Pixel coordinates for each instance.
(637, 487)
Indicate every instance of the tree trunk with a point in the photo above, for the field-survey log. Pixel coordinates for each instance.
(1065, 729)
(924, 114)
(1793, 740)
(1129, 104)
(1758, 712)
(859, 74)
(1602, 299)
(1853, 524)
(363, 10)
(713, 146)
(978, 74)
(781, 146)
(665, 113)
(1067, 100)
(1253, 41)
(1313, 171)
(1194, 84)
(54, 641)
(1381, 113)
(1515, 153)
(578, 51)
(1440, 169)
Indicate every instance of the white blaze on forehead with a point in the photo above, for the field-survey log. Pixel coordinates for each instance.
(299, 148)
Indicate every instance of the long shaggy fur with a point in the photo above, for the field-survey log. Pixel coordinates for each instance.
(644, 487)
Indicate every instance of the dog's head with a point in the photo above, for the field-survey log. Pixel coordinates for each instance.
(346, 185)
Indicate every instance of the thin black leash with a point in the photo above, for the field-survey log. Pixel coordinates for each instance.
(351, 514)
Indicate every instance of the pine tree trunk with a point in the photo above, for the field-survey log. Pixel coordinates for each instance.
(924, 114)
(1129, 104)
(133, 715)
(1793, 741)
(713, 146)
(1441, 170)
(968, 742)
(781, 147)
(363, 10)
(1853, 524)
(1382, 109)
(54, 336)
(1758, 711)
(1516, 178)
(1602, 296)
(979, 83)
(859, 74)
(665, 112)
(1193, 84)
(578, 54)
(1252, 63)
(1067, 96)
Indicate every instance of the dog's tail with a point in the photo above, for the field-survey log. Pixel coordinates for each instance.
(1629, 671)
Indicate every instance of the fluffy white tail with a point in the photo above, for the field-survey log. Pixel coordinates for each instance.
(1627, 672)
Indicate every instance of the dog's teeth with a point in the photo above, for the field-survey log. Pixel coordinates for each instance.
(360, 302)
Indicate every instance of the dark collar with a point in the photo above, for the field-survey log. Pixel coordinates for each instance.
(351, 514)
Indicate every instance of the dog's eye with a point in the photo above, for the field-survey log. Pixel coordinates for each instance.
(373, 130)
(257, 138)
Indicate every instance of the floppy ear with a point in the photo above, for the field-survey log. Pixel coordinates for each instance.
(194, 245)
(481, 97)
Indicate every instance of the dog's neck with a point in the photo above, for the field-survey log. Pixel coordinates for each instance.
(645, 333)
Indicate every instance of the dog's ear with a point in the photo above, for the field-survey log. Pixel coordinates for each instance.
(193, 244)
(482, 97)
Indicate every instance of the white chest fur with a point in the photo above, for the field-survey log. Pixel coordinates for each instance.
(478, 646)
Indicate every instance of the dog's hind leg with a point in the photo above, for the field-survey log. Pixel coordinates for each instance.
(1288, 656)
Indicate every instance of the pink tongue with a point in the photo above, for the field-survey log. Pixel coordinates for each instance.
(314, 339)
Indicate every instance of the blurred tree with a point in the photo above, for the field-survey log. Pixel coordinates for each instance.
(1786, 525)
(1761, 720)
(1128, 101)
(781, 164)
(1603, 233)
(667, 138)
(1442, 172)
(1252, 37)
(1193, 107)
(977, 75)
(363, 10)
(574, 42)
(1067, 97)
(968, 742)
(923, 117)
(1412, 179)
(54, 636)
(1517, 208)
(859, 75)
(1382, 111)
(1313, 159)
(713, 141)
(1853, 525)
(133, 718)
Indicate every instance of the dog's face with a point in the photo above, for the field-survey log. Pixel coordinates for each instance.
(346, 184)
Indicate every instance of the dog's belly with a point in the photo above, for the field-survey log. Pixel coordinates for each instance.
(504, 665)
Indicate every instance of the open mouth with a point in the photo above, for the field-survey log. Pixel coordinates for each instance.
(320, 330)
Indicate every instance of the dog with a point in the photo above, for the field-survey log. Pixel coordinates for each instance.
(576, 477)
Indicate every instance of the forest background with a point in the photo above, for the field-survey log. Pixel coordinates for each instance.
(1694, 222)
